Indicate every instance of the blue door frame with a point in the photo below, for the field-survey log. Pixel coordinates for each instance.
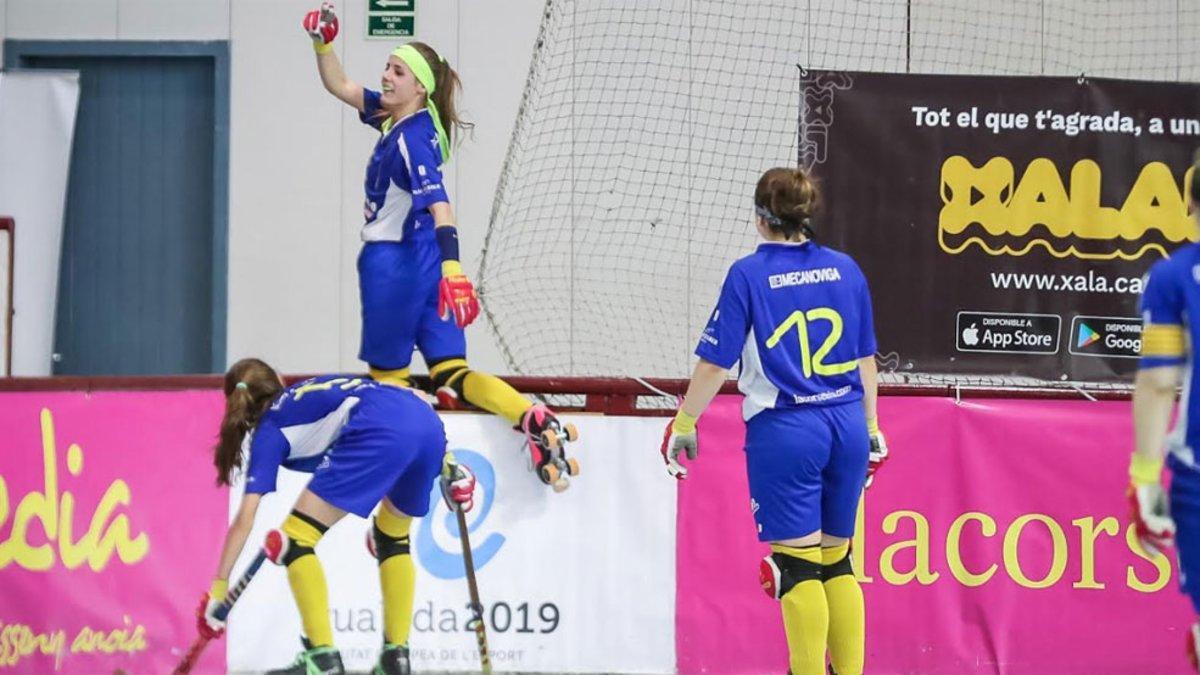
(17, 51)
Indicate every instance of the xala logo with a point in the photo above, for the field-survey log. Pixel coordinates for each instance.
(970, 336)
(448, 564)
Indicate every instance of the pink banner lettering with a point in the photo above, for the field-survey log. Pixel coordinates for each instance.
(996, 539)
(108, 516)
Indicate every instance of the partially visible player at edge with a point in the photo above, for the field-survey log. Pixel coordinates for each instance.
(410, 279)
(798, 316)
(389, 446)
(1169, 338)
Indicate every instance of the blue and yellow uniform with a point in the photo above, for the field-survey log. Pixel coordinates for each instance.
(1171, 296)
(798, 317)
(361, 440)
(400, 264)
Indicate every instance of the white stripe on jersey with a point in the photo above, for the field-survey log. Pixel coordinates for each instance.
(760, 393)
(397, 203)
(307, 440)
(389, 222)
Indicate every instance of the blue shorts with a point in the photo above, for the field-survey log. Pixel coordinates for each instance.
(391, 446)
(1185, 511)
(806, 467)
(398, 287)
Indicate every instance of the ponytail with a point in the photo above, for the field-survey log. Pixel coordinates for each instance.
(250, 386)
(446, 88)
(786, 199)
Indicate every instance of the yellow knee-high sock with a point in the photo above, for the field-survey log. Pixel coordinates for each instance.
(482, 390)
(805, 613)
(847, 618)
(398, 377)
(397, 575)
(307, 579)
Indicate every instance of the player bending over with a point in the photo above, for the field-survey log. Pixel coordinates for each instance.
(798, 316)
(389, 445)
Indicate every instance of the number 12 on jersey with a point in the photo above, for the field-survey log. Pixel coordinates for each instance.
(810, 362)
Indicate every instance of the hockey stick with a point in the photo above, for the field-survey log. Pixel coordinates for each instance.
(221, 612)
(476, 607)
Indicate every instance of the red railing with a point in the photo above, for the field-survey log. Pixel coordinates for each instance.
(609, 396)
(9, 225)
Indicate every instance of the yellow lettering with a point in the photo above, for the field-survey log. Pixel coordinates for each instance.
(1161, 564)
(858, 545)
(992, 200)
(1088, 531)
(341, 382)
(1012, 560)
(5, 546)
(987, 527)
(89, 640)
(1040, 199)
(18, 641)
(57, 515)
(919, 544)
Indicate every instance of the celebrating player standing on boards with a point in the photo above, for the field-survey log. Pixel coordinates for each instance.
(363, 442)
(410, 279)
(798, 315)
(1169, 337)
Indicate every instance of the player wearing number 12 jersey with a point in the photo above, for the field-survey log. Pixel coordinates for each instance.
(798, 316)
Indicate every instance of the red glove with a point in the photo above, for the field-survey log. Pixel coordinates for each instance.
(679, 438)
(1151, 517)
(457, 296)
(322, 25)
(878, 453)
(208, 625)
(458, 485)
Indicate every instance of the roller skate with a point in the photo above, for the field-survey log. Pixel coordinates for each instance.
(393, 660)
(314, 661)
(545, 444)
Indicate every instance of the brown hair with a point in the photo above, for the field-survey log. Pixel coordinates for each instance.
(786, 199)
(250, 386)
(446, 86)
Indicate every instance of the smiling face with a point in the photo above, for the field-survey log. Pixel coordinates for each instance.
(401, 91)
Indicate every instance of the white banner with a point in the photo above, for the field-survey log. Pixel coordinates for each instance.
(582, 581)
(37, 127)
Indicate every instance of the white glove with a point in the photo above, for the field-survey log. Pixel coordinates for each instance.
(679, 437)
(1151, 517)
(878, 454)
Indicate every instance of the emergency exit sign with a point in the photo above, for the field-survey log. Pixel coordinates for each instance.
(390, 19)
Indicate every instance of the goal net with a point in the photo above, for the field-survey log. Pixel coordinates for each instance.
(626, 191)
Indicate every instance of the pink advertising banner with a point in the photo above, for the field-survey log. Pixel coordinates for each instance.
(995, 540)
(108, 517)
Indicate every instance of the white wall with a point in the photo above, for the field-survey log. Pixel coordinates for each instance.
(297, 156)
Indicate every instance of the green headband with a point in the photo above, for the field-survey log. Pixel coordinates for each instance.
(424, 74)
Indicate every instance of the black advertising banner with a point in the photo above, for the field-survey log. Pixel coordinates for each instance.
(1004, 223)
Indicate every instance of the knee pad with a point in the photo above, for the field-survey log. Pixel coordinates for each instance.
(383, 546)
(840, 568)
(282, 549)
(450, 375)
(294, 540)
(779, 573)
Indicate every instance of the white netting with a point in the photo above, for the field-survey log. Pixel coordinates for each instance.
(627, 188)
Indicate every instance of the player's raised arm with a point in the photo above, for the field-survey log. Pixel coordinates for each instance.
(322, 26)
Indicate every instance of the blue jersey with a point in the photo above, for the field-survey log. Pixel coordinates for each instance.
(404, 176)
(1170, 297)
(301, 424)
(798, 316)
